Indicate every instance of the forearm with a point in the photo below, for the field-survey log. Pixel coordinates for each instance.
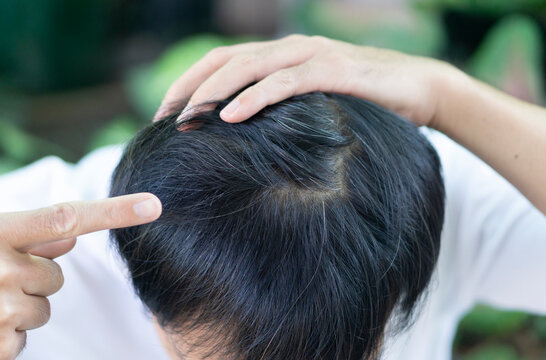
(507, 133)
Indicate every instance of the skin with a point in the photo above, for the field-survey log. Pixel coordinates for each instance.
(30, 242)
(508, 134)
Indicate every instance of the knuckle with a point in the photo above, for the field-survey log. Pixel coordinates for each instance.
(63, 220)
(332, 58)
(110, 212)
(286, 79)
(217, 52)
(9, 316)
(7, 273)
(319, 39)
(245, 60)
(296, 37)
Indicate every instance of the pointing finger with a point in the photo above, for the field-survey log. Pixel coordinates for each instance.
(24, 230)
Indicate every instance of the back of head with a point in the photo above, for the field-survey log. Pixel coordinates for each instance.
(297, 234)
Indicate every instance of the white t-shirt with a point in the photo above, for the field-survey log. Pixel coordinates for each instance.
(493, 251)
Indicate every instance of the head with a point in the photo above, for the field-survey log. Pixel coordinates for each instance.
(298, 234)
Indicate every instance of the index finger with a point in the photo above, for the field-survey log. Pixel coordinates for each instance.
(190, 80)
(26, 229)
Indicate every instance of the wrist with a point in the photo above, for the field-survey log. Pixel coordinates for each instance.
(448, 84)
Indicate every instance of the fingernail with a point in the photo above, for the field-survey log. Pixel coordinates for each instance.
(185, 114)
(230, 108)
(146, 209)
(161, 112)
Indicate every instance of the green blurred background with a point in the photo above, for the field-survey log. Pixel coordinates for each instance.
(78, 75)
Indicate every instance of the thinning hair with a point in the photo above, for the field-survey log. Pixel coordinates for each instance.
(297, 234)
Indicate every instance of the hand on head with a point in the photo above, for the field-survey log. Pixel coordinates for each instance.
(299, 64)
(426, 91)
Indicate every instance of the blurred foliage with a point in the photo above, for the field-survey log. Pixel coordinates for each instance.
(512, 48)
(59, 43)
(420, 34)
(486, 333)
(148, 84)
(18, 148)
(118, 131)
(53, 44)
(493, 352)
(496, 7)
(539, 327)
(484, 321)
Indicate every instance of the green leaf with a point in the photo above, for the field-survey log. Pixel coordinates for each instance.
(118, 131)
(20, 147)
(15, 144)
(493, 352)
(510, 58)
(7, 165)
(487, 322)
(539, 326)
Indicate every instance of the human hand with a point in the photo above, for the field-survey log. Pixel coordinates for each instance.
(30, 240)
(299, 64)
(425, 91)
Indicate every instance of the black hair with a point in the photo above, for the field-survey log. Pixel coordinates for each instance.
(297, 234)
